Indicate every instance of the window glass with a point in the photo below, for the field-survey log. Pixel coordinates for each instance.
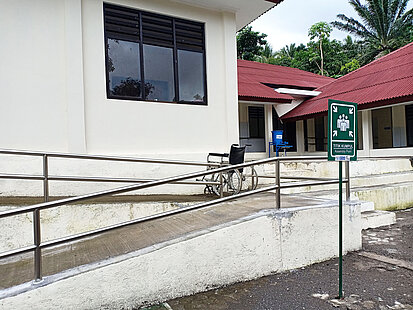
(320, 134)
(191, 76)
(159, 73)
(123, 68)
(382, 128)
(256, 122)
(290, 135)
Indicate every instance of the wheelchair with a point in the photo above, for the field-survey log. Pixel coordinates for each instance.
(233, 181)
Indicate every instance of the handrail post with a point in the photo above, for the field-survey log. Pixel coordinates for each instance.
(277, 180)
(36, 223)
(347, 171)
(221, 187)
(252, 177)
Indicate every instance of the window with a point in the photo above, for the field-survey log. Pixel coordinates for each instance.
(315, 134)
(382, 128)
(320, 133)
(256, 122)
(154, 57)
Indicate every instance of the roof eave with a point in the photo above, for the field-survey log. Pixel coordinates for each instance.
(263, 99)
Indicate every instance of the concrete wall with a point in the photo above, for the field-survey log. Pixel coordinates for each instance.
(261, 244)
(17, 231)
(390, 196)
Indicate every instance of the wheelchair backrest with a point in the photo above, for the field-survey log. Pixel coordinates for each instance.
(236, 154)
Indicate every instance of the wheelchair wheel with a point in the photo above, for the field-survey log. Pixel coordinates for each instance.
(250, 178)
(234, 182)
(216, 188)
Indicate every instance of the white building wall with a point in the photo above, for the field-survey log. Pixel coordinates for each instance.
(53, 90)
(33, 105)
(154, 128)
(53, 95)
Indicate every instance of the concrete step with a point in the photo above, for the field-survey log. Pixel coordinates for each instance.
(377, 218)
(366, 206)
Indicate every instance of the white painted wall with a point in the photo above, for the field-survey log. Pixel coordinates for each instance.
(53, 92)
(33, 105)
(133, 127)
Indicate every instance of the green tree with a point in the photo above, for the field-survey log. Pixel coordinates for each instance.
(350, 66)
(266, 55)
(384, 25)
(321, 31)
(250, 44)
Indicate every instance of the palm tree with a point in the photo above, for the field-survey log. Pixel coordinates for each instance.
(266, 54)
(384, 25)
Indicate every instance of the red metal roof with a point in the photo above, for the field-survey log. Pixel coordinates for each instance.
(252, 76)
(387, 80)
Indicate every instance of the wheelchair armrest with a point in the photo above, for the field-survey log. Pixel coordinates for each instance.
(219, 154)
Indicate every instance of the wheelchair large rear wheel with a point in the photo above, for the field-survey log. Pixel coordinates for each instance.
(234, 182)
(250, 178)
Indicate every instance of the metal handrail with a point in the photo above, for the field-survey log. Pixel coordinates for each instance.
(38, 245)
(104, 157)
(92, 179)
(146, 183)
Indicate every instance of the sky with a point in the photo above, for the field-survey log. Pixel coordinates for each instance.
(289, 21)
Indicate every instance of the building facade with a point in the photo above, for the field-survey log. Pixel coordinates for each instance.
(153, 79)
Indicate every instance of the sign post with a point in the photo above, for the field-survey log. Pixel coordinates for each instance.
(342, 146)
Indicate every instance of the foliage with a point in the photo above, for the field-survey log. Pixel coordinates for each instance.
(321, 31)
(250, 43)
(131, 87)
(335, 58)
(350, 66)
(384, 25)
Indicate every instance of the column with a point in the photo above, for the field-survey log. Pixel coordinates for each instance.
(74, 77)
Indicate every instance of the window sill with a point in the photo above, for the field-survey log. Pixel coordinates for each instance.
(158, 101)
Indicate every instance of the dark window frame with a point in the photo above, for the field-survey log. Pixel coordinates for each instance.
(257, 114)
(139, 37)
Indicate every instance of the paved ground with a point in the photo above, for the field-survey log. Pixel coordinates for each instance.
(378, 277)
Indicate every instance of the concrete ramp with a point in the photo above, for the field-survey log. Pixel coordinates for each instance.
(184, 254)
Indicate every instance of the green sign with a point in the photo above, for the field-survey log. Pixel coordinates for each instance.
(342, 130)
